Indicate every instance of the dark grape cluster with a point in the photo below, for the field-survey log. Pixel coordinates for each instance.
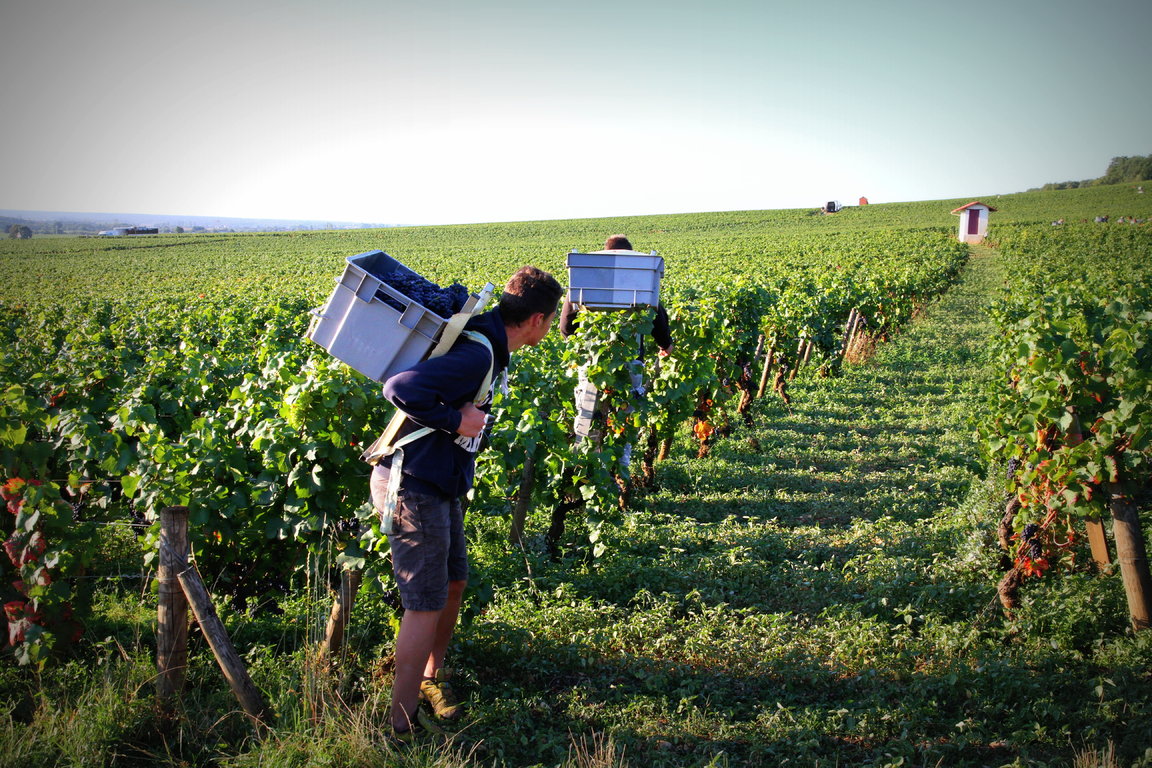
(1013, 465)
(443, 301)
(140, 522)
(391, 598)
(1029, 537)
(348, 526)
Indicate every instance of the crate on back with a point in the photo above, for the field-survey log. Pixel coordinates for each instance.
(372, 326)
(614, 280)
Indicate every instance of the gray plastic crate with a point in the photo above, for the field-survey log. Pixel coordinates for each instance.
(360, 326)
(608, 280)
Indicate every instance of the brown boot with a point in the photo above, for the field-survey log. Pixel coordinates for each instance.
(440, 697)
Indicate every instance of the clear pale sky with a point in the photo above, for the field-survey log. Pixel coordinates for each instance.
(447, 111)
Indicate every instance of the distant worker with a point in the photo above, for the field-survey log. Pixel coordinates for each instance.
(661, 334)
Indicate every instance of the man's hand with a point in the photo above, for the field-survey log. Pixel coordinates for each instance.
(472, 420)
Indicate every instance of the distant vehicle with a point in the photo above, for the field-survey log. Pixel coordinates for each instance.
(122, 231)
(833, 206)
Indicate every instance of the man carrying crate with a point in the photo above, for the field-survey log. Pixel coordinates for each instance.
(446, 400)
(588, 410)
(660, 331)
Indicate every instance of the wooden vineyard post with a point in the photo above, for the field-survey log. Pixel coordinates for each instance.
(847, 333)
(172, 608)
(799, 358)
(341, 613)
(1132, 554)
(1098, 541)
(523, 501)
(230, 663)
(769, 364)
(854, 334)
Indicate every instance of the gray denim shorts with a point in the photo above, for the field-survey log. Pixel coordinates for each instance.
(428, 545)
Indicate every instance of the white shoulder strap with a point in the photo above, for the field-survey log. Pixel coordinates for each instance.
(487, 383)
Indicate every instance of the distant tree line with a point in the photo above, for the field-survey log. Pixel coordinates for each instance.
(29, 227)
(25, 228)
(1120, 171)
(60, 227)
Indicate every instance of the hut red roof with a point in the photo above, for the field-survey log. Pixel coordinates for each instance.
(974, 202)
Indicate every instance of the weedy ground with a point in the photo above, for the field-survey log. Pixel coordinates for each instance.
(818, 591)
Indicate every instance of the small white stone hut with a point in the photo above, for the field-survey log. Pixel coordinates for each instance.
(973, 221)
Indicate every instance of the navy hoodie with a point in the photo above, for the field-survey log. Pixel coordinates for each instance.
(431, 394)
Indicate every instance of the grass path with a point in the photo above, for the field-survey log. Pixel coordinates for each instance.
(860, 446)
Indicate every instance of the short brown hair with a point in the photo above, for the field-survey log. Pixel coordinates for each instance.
(529, 291)
(617, 243)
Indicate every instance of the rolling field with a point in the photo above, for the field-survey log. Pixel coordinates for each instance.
(295, 264)
(802, 580)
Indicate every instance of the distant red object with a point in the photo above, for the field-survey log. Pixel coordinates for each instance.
(863, 201)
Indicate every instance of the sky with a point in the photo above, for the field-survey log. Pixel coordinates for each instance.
(457, 111)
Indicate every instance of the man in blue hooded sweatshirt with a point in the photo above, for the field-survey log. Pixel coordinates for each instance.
(429, 555)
